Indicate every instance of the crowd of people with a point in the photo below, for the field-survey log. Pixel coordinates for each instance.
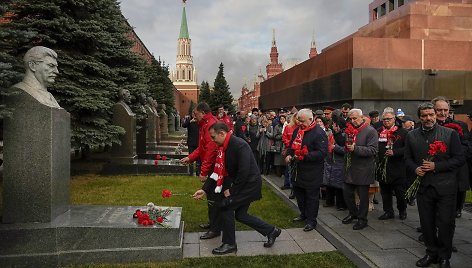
(344, 157)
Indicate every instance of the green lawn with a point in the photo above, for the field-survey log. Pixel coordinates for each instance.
(331, 259)
(140, 190)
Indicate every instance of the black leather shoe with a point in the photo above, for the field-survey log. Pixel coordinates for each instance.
(309, 227)
(412, 202)
(444, 263)
(349, 219)
(426, 261)
(454, 249)
(387, 216)
(375, 201)
(271, 237)
(459, 214)
(403, 215)
(285, 187)
(204, 226)
(341, 209)
(224, 249)
(299, 219)
(359, 225)
(291, 195)
(418, 229)
(210, 235)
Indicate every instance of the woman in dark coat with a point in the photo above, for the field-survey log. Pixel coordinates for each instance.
(334, 172)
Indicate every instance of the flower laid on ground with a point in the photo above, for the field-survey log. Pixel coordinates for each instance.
(156, 162)
(164, 157)
(166, 193)
(158, 157)
(299, 155)
(351, 134)
(153, 215)
(456, 127)
(434, 148)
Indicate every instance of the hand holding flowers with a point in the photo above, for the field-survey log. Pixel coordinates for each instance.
(428, 165)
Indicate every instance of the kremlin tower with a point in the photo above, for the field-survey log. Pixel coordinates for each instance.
(184, 77)
(274, 67)
(313, 51)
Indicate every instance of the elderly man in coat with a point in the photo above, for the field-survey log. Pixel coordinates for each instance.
(361, 152)
(308, 171)
(238, 178)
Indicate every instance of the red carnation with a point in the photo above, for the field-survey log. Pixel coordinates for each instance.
(456, 127)
(243, 128)
(164, 157)
(159, 219)
(305, 150)
(166, 193)
(156, 162)
(158, 157)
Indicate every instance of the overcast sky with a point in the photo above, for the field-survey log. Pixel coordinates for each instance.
(239, 32)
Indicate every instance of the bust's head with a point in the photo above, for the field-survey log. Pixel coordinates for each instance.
(150, 100)
(142, 98)
(41, 63)
(154, 103)
(125, 95)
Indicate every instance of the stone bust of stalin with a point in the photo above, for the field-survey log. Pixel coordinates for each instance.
(41, 71)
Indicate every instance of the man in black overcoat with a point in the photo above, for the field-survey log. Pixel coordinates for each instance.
(242, 185)
(391, 174)
(438, 189)
(309, 171)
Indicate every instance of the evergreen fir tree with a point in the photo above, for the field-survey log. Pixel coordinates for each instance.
(205, 94)
(160, 86)
(221, 95)
(95, 61)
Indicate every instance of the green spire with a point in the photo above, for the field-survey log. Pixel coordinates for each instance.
(183, 25)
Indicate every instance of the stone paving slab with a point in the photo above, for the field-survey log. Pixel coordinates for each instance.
(392, 258)
(391, 239)
(279, 248)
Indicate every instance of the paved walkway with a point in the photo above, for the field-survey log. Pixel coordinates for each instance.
(391, 243)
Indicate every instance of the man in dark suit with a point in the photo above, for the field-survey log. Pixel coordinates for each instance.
(309, 169)
(238, 177)
(438, 189)
(191, 125)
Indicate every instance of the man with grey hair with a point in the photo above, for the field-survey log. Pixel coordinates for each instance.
(308, 149)
(361, 151)
(41, 71)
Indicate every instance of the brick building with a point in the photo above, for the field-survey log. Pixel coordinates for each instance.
(409, 52)
(250, 98)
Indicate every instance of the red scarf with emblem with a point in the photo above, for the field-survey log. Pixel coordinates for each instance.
(219, 172)
(351, 132)
(386, 135)
(297, 142)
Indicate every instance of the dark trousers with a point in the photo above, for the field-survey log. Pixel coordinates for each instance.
(363, 191)
(228, 215)
(460, 200)
(386, 190)
(437, 217)
(335, 196)
(214, 213)
(197, 163)
(287, 181)
(308, 201)
(264, 163)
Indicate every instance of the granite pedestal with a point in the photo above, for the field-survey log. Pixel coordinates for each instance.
(87, 234)
(125, 118)
(37, 161)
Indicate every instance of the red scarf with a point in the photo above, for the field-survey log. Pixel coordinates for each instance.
(352, 131)
(386, 135)
(297, 142)
(219, 172)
